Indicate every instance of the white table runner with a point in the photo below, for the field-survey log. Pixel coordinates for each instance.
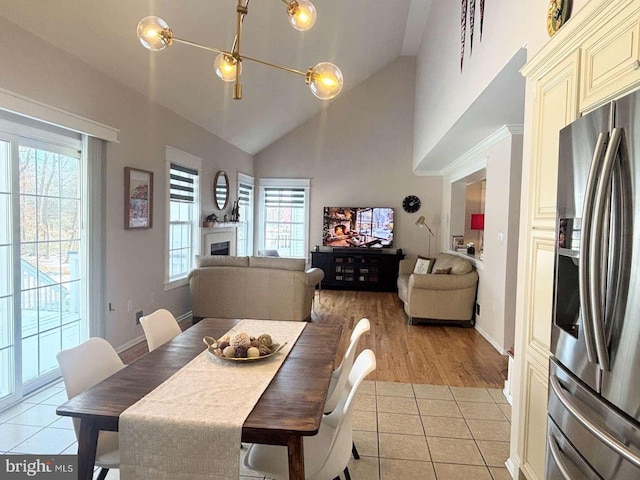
(189, 427)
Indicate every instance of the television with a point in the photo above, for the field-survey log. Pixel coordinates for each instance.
(364, 227)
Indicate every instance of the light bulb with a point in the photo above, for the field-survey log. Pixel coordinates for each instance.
(302, 14)
(325, 80)
(225, 66)
(154, 33)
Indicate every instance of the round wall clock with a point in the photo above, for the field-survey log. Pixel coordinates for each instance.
(557, 15)
(411, 203)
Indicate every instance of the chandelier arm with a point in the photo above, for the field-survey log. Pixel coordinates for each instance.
(203, 47)
(286, 69)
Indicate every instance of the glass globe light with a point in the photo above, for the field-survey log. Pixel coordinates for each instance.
(302, 14)
(225, 66)
(325, 80)
(154, 33)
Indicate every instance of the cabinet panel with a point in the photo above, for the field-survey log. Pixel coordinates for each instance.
(556, 107)
(611, 60)
(358, 269)
(535, 414)
(540, 291)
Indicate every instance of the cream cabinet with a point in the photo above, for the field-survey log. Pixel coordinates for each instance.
(556, 105)
(611, 58)
(591, 60)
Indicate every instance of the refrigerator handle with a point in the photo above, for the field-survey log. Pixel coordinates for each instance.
(585, 247)
(604, 436)
(557, 455)
(595, 256)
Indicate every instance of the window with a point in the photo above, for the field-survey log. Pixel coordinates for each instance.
(284, 216)
(184, 209)
(244, 244)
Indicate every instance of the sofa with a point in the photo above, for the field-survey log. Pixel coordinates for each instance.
(444, 292)
(267, 288)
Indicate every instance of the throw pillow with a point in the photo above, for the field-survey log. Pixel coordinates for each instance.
(423, 265)
(442, 271)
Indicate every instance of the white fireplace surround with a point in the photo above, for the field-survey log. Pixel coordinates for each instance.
(221, 232)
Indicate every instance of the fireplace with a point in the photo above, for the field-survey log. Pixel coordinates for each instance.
(220, 248)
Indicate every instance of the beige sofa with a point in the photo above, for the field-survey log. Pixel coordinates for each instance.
(266, 288)
(440, 297)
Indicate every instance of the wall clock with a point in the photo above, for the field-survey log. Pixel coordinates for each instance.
(557, 15)
(411, 203)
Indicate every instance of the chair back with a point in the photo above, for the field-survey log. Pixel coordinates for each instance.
(268, 253)
(340, 374)
(86, 365)
(159, 327)
(341, 418)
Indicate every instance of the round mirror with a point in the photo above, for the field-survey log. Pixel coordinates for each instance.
(221, 190)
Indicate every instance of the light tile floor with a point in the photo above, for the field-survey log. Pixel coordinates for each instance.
(401, 430)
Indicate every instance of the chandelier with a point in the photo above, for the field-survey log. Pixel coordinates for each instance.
(324, 80)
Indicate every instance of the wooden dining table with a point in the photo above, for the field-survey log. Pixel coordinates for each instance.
(289, 409)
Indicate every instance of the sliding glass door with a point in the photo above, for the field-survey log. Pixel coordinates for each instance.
(41, 243)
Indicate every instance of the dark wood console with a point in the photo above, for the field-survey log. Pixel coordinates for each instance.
(358, 269)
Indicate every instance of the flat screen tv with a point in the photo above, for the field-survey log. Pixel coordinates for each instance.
(365, 227)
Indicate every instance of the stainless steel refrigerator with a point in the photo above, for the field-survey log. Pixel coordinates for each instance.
(594, 380)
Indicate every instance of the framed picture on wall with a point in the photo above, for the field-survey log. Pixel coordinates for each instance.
(457, 241)
(138, 198)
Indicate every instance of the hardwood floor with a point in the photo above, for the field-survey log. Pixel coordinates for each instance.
(435, 354)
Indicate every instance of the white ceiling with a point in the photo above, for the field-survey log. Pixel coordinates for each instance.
(360, 36)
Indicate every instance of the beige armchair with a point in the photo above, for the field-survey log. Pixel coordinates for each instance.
(440, 297)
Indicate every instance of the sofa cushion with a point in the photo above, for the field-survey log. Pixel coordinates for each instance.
(423, 265)
(458, 265)
(442, 271)
(279, 263)
(221, 261)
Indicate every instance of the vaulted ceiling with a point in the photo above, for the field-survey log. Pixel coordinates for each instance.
(360, 36)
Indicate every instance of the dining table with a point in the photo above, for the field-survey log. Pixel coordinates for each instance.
(290, 408)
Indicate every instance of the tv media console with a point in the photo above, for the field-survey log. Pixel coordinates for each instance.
(358, 269)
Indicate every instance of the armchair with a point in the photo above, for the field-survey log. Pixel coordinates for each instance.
(441, 297)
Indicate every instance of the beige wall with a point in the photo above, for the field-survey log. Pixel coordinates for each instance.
(443, 93)
(134, 259)
(358, 152)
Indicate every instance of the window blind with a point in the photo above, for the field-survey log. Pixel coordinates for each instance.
(181, 183)
(284, 197)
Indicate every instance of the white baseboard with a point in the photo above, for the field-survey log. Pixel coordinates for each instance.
(488, 338)
(132, 343)
(512, 467)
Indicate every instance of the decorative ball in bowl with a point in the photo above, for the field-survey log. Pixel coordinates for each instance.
(243, 347)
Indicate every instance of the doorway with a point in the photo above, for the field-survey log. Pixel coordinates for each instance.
(42, 256)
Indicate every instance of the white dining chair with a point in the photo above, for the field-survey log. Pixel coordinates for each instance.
(159, 327)
(327, 454)
(82, 367)
(340, 374)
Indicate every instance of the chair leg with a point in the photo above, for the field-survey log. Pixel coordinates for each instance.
(346, 474)
(354, 451)
(103, 474)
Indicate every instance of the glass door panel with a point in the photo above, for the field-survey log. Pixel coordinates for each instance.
(7, 350)
(50, 208)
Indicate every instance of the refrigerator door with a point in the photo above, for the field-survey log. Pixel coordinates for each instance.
(621, 384)
(604, 438)
(582, 148)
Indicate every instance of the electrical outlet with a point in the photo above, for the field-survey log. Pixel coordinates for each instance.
(477, 309)
(138, 315)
